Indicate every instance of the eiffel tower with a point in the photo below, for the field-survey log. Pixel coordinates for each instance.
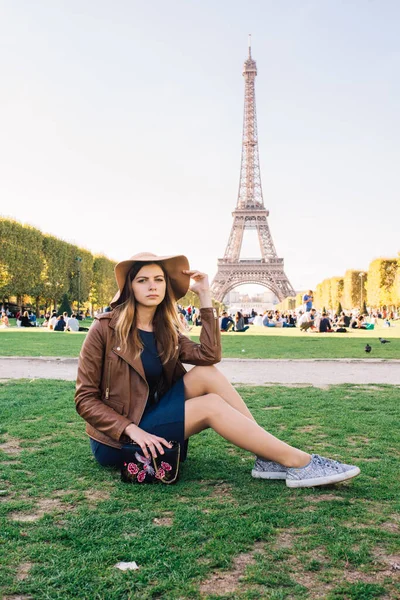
(250, 213)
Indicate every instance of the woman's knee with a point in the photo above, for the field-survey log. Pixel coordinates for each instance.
(213, 405)
(105, 455)
(197, 380)
(203, 372)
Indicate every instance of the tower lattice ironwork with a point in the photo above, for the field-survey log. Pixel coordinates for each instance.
(250, 213)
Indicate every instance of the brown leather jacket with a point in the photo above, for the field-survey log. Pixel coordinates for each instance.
(111, 388)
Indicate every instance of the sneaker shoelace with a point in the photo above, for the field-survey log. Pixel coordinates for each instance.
(325, 462)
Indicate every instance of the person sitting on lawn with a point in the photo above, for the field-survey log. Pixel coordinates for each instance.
(72, 323)
(132, 385)
(60, 324)
(32, 318)
(267, 319)
(4, 320)
(226, 322)
(359, 323)
(325, 324)
(306, 320)
(46, 320)
(258, 321)
(53, 320)
(197, 319)
(290, 320)
(341, 321)
(25, 321)
(240, 327)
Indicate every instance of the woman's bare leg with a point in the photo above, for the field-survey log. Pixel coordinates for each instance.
(208, 380)
(213, 411)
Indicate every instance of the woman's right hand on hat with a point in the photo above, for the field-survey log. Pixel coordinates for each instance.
(147, 441)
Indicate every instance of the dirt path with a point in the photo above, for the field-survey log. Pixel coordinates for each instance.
(249, 372)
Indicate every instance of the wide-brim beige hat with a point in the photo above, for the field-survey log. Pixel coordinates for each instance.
(174, 265)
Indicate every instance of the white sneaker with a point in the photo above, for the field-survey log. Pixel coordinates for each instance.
(320, 471)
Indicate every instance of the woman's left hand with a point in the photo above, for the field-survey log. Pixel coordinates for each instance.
(201, 283)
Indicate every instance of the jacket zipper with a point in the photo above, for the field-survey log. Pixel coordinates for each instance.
(216, 324)
(108, 380)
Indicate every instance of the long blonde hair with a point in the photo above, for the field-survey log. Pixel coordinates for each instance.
(166, 324)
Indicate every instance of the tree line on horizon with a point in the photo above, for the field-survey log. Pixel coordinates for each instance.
(41, 270)
(377, 288)
(38, 269)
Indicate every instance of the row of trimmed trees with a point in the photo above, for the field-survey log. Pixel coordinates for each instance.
(377, 288)
(39, 269)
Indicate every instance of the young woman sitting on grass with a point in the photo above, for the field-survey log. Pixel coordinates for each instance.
(132, 385)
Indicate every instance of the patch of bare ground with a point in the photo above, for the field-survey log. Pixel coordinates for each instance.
(44, 506)
(322, 498)
(390, 526)
(223, 491)
(23, 571)
(17, 598)
(272, 407)
(62, 493)
(284, 539)
(11, 446)
(163, 521)
(373, 507)
(94, 496)
(6, 496)
(356, 440)
(307, 429)
(386, 571)
(234, 451)
(319, 589)
(370, 388)
(227, 582)
(389, 563)
(355, 525)
(394, 451)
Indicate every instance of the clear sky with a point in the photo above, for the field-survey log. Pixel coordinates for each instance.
(121, 124)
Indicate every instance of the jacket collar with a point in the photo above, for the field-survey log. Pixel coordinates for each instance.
(127, 356)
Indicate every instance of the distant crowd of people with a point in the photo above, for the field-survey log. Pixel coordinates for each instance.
(53, 321)
(63, 322)
(307, 318)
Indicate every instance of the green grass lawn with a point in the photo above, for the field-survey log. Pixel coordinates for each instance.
(257, 342)
(65, 522)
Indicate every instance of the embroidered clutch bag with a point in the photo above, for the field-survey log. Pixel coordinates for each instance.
(136, 468)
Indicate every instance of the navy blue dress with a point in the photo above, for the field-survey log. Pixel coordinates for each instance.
(163, 416)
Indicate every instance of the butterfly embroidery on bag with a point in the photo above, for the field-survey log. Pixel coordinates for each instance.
(147, 468)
